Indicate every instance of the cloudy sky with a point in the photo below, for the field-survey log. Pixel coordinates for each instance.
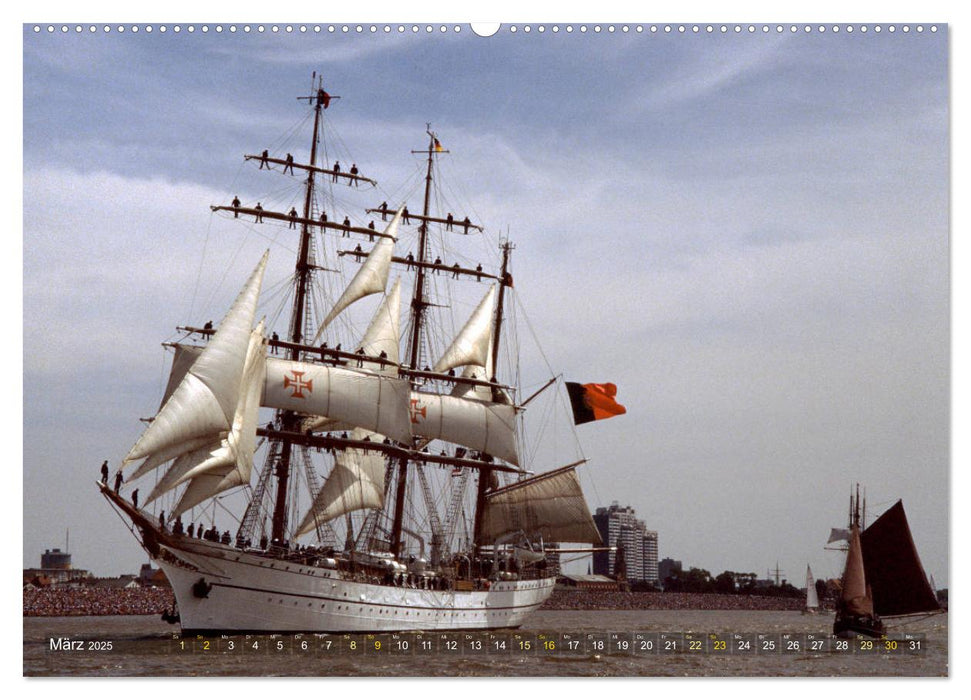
(747, 232)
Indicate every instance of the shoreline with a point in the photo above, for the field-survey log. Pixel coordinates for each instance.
(563, 599)
(58, 602)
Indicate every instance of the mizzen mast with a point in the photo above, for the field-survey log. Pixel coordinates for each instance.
(485, 475)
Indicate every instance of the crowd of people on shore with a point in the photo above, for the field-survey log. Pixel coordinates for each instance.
(85, 600)
(619, 600)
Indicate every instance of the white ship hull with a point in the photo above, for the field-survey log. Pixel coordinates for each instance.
(249, 593)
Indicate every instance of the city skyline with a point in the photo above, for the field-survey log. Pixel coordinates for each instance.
(761, 222)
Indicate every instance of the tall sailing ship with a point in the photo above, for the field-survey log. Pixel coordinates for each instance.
(428, 518)
(883, 577)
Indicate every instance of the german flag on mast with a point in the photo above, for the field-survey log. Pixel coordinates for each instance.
(593, 402)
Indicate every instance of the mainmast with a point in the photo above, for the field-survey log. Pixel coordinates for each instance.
(288, 420)
(418, 307)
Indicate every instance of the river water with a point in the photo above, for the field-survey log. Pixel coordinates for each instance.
(625, 643)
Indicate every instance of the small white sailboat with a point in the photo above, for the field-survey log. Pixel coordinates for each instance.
(812, 597)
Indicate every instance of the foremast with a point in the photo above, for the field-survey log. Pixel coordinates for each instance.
(289, 420)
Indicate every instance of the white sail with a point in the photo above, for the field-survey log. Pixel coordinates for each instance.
(180, 466)
(185, 356)
(205, 402)
(812, 597)
(474, 390)
(302, 391)
(358, 398)
(238, 446)
(471, 345)
(160, 457)
(382, 336)
(479, 425)
(231, 464)
(356, 482)
(371, 277)
(207, 486)
(481, 371)
(468, 390)
(550, 505)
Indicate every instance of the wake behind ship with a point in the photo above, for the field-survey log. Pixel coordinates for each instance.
(428, 518)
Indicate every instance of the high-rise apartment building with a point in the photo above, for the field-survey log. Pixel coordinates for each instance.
(619, 527)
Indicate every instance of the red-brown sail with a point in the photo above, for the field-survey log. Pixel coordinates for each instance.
(893, 569)
(855, 597)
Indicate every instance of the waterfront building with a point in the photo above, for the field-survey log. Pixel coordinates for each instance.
(55, 559)
(55, 567)
(649, 556)
(619, 527)
(553, 567)
(587, 582)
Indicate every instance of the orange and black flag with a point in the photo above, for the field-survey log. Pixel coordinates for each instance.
(593, 402)
(438, 145)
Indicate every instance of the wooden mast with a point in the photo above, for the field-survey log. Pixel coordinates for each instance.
(288, 420)
(418, 306)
